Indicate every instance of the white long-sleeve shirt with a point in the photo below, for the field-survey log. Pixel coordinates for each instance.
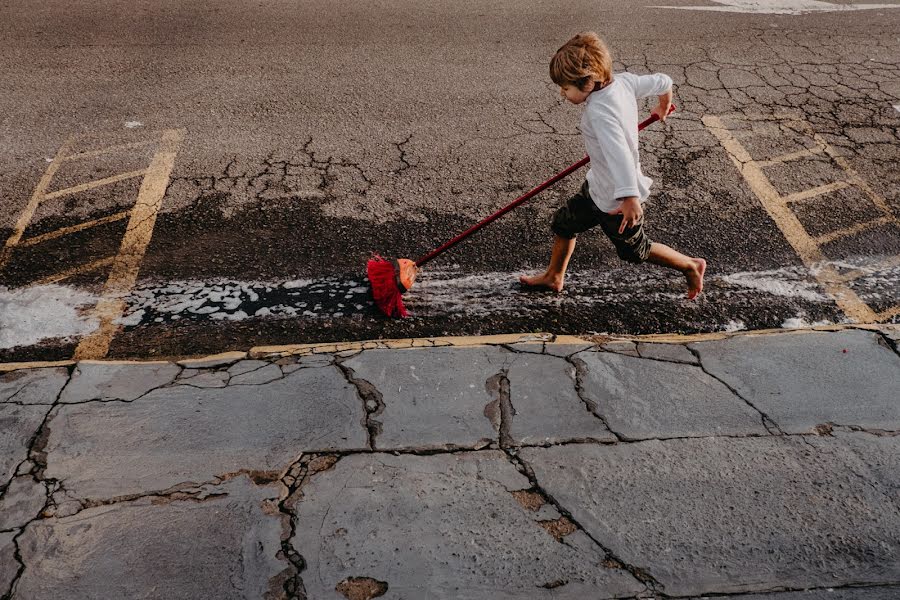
(609, 127)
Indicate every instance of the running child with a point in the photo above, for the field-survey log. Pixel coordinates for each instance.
(615, 188)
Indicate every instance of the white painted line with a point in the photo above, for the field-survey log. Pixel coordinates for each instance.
(780, 7)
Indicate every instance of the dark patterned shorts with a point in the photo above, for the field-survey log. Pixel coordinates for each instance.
(580, 214)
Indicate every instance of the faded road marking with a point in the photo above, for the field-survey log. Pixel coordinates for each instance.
(779, 209)
(131, 252)
(36, 198)
(781, 7)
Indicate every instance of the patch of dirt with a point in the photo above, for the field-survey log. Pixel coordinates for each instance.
(361, 588)
(558, 528)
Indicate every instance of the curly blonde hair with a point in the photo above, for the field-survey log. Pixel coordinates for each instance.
(581, 60)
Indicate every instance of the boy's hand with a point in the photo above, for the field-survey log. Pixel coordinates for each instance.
(662, 109)
(631, 212)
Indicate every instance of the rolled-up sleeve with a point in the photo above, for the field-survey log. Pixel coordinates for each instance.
(652, 85)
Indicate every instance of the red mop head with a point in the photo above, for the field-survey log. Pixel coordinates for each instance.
(390, 279)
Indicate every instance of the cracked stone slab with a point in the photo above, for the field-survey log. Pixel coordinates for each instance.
(879, 458)
(22, 501)
(433, 397)
(258, 376)
(184, 434)
(804, 380)
(8, 564)
(225, 546)
(717, 515)
(32, 386)
(643, 399)
(868, 593)
(97, 380)
(670, 352)
(445, 526)
(546, 406)
(18, 424)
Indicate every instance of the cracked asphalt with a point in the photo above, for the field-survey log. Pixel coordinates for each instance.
(745, 465)
(317, 134)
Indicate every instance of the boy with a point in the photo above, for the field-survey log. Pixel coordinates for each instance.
(615, 187)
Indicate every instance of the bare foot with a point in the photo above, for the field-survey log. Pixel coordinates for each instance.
(694, 277)
(544, 281)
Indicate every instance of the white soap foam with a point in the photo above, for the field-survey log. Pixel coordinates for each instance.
(31, 315)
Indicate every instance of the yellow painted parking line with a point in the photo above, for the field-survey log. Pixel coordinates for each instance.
(816, 191)
(36, 198)
(853, 177)
(74, 228)
(882, 265)
(95, 184)
(792, 156)
(108, 150)
(92, 266)
(850, 231)
(791, 227)
(131, 252)
(889, 313)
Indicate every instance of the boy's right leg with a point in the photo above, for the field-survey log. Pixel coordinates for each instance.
(578, 214)
(554, 277)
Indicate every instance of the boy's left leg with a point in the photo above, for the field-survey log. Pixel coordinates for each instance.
(634, 246)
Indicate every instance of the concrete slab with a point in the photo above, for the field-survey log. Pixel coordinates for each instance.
(644, 399)
(8, 564)
(546, 406)
(867, 593)
(23, 501)
(214, 360)
(718, 515)
(33, 386)
(18, 424)
(225, 546)
(258, 376)
(433, 397)
(807, 379)
(97, 380)
(443, 526)
(879, 458)
(671, 352)
(184, 434)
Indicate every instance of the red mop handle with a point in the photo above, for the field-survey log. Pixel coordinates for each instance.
(521, 199)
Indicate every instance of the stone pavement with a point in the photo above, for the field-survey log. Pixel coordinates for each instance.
(752, 466)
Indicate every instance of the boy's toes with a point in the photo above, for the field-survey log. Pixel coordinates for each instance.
(541, 282)
(695, 278)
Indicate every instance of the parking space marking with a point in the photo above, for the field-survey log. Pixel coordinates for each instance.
(807, 247)
(36, 198)
(131, 252)
(74, 228)
(124, 266)
(63, 275)
(109, 150)
(83, 187)
(816, 191)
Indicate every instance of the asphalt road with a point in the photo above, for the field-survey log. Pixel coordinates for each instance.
(254, 155)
